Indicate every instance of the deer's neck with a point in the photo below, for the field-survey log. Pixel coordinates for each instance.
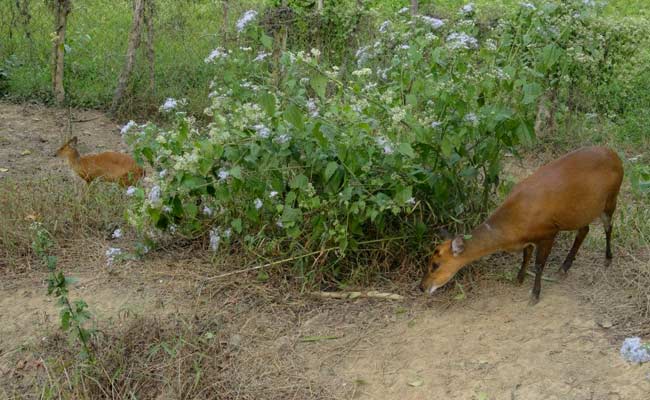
(486, 239)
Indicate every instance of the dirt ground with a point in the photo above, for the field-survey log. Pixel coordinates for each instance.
(488, 345)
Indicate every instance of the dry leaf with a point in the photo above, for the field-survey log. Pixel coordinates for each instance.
(417, 382)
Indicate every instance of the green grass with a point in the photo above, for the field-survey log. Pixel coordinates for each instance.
(185, 33)
(97, 34)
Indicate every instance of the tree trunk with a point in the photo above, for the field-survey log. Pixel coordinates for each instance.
(224, 26)
(414, 7)
(545, 119)
(319, 6)
(134, 43)
(151, 55)
(61, 10)
(25, 16)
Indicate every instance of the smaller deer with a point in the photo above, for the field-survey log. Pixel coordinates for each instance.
(109, 165)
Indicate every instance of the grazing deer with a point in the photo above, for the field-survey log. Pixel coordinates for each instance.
(565, 195)
(109, 165)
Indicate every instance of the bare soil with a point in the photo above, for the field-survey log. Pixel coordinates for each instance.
(487, 344)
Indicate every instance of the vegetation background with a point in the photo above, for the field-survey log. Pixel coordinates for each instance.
(598, 92)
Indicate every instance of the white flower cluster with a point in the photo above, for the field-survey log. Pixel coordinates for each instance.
(362, 72)
(385, 26)
(529, 6)
(312, 108)
(112, 254)
(434, 23)
(282, 139)
(471, 119)
(128, 127)
(215, 237)
(216, 54)
(262, 131)
(467, 9)
(246, 19)
(634, 351)
(362, 55)
(117, 233)
(461, 40)
(385, 144)
(169, 104)
(261, 56)
(154, 194)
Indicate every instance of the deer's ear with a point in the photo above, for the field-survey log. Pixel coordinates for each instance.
(457, 245)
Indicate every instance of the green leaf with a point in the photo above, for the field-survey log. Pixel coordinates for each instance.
(550, 55)
(293, 115)
(267, 101)
(66, 316)
(411, 99)
(236, 172)
(193, 182)
(403, 194)
(525, 133)
(531, 92)
(317, 338)
(236, 225)
(291, 214)
(447, 147)
(190, 210)
(299, 182)
(319, 84)
(70, 280)
(267, 41)
(262, 276)
(406, 149)
(330, 170)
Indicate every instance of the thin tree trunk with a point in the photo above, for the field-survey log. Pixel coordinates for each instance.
(61, 11)
(319, 6)
(224, 26)
(546, 108)
(414, 7)
(134, 43)
(151, 55)
(25, 16)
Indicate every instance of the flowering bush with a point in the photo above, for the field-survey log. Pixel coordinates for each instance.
(300, 158)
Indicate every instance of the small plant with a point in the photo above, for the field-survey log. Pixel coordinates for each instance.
(73, 314)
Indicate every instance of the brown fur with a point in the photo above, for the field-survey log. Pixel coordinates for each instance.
(109, 165)
(564, 195)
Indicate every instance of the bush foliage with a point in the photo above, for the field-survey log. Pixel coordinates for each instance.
(301, 157)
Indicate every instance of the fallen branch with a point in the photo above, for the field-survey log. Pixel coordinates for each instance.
(353, 295)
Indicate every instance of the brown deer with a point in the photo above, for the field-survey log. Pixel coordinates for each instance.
(565, 195)
(109, 165)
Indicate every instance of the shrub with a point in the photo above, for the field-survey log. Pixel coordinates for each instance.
(301, 159)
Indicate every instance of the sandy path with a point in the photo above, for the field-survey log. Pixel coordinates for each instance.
(497, 347)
